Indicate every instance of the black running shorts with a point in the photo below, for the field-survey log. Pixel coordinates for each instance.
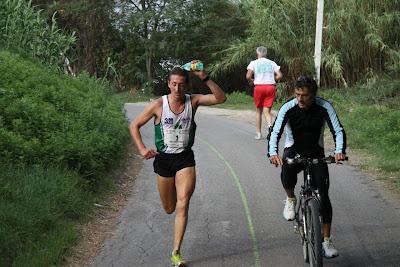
(167, 165)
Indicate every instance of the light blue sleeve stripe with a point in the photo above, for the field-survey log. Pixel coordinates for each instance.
(273, 141)
(337, 128)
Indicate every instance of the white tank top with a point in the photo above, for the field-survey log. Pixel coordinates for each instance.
(175, 132)
(264, 70)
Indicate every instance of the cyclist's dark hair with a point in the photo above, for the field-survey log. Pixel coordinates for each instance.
(180, 72)
(307, 81)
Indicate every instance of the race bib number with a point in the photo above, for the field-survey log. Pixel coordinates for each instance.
(176, 138)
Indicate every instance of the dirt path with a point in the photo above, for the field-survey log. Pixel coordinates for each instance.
(94, 232)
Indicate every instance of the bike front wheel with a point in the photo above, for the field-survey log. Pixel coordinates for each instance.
(314, 236)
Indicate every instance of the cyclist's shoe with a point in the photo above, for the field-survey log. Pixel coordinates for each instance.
(288, 211)
(177, 260)
(258, 136)
(329, 250)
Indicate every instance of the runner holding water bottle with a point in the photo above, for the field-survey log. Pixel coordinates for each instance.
(175, 128)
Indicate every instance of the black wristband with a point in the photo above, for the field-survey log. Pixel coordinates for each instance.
(206, 78)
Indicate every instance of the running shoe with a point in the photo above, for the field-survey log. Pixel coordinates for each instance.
(328, 249)
(288, 211)
(177, 260)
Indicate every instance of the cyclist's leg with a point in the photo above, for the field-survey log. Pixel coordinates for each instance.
(289, 180)
(321, 179)
(185, 181)
(322, 183)
(289, 173)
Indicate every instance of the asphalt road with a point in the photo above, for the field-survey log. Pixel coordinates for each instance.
(235, 217)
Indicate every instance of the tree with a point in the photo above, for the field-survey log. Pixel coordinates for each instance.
(161, 33)
(145, 21)
(92, 20)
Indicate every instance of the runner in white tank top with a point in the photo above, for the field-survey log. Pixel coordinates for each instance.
(263, 74)
(174, 135)
(175, 132)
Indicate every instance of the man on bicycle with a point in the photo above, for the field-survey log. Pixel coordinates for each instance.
(303, 119)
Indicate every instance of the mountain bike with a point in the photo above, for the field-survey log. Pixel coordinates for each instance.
(307, 220)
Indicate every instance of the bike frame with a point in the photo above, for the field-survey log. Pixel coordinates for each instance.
(307, 192)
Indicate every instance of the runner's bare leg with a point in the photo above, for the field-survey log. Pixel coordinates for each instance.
(167, 191)
(268, 116)
(259, 111)
(185, 182)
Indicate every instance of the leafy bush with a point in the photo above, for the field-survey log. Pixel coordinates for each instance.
(51, 119)
(25, 30)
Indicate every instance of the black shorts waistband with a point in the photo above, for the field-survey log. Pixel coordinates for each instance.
(174, 155)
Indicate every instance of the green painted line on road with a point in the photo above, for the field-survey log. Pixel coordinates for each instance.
(256, 253)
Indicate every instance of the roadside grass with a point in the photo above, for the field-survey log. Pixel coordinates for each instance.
(127, 97)
(37, 208)
(238, 101)
(370, 114)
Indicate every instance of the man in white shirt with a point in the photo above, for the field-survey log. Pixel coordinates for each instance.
(265, 72)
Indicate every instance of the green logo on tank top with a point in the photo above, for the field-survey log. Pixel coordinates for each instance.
(178, 126)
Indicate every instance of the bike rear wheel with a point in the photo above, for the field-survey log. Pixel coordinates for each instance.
(314, 235)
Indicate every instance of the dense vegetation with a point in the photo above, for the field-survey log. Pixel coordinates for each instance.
(58, 134)
(371, 114)
(144, 38)
(54, 130)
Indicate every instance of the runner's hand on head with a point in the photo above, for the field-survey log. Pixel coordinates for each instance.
(200, 74)
(148, 153)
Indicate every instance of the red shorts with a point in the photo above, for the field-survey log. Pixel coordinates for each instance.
(264, 95)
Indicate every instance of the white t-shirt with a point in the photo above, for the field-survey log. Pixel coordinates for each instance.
(264, 70)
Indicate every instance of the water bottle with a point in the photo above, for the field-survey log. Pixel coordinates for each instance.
(194, 65)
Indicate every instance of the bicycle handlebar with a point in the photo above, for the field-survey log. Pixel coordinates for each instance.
(298, 159)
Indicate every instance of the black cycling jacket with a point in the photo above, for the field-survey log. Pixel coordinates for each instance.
(305, 128)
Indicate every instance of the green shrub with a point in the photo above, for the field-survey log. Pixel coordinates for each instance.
(36, 208)
(51, 119)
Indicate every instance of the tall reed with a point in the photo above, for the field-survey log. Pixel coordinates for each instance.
(361, 38)
(25, 29)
